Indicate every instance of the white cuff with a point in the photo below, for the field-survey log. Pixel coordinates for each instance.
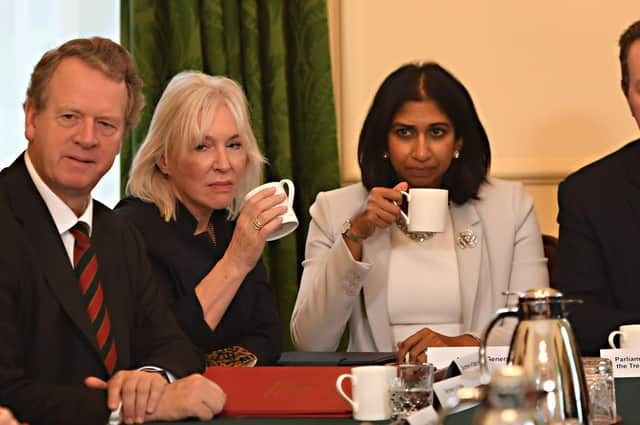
(114, 418)
(166, 373)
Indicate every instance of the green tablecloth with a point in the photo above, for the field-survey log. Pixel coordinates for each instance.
(627, 398)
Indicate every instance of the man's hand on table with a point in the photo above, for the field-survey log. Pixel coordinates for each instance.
(193, 396)
(138, 391)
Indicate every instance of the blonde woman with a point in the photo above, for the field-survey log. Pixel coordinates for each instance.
(188, 182)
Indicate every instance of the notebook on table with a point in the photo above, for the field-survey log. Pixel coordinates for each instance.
(282, 391)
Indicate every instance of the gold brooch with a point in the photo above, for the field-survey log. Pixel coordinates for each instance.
(467, 239)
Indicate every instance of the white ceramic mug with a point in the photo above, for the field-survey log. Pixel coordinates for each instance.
(289, 219)
(629, 336)
(370, 391)
(428, 209)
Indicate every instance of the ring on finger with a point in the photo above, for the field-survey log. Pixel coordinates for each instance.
(257, 224)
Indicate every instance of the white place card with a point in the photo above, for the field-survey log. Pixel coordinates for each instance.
(441, 357)
(625, 361)
(496, 358)
(426, 416)
(447, 388)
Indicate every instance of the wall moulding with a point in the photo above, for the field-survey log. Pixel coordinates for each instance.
(530, 171)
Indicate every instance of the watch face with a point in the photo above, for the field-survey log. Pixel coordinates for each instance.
(346, 226)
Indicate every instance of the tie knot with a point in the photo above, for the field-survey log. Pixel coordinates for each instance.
(80, 230)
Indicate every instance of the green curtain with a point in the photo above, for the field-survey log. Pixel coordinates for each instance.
(279, 51)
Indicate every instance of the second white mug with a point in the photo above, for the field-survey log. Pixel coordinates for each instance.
(428, 209)
(289, 219)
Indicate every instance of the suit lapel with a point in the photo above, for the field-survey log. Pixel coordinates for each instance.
(630, 226)
(632, 165)
(465, 218)
(30, 210)
(376, 252)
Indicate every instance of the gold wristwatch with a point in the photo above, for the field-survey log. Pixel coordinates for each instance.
(346, 231)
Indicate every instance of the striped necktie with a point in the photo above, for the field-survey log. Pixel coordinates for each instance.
(85, 264)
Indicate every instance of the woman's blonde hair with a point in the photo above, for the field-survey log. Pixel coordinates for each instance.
(181, 118)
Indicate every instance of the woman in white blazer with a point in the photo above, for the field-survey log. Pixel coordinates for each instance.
(399, 291)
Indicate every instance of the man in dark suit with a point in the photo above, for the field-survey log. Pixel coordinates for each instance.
(78, 349)
(600, 227)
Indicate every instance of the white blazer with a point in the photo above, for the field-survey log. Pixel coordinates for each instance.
(336, 290)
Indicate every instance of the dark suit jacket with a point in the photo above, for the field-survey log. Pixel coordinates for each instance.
(598, 258)
(47, 344)
(180, 260)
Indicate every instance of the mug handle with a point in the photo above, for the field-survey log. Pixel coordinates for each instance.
(611, 336)
(291, 190)
(341, 378)
(406, 218)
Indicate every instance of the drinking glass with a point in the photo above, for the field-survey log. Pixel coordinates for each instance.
(411, 389)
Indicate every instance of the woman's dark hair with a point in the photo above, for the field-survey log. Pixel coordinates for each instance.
(420, 82)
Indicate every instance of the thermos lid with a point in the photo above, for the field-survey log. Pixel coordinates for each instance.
(543, 303)
(540, 294)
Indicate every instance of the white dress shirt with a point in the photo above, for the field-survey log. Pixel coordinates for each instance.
(63, 216)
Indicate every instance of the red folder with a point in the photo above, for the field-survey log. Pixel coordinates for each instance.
(282, 391)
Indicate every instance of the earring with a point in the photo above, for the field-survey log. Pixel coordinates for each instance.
(385, 156)
(456, 154)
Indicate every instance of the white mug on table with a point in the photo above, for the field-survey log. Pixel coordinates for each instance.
(629, 336)
(427, 210)
(370, 391)
(289, 219)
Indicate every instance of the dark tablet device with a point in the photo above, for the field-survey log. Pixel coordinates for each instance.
(323, 358)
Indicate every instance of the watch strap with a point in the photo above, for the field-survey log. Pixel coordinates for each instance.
(349, 234)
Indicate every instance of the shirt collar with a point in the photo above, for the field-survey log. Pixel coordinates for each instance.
(62, 215)
(188, 223)
(184, 218)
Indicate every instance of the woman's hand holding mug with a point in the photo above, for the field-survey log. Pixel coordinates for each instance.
(260, 215)
(267, 215)
(381, 211)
